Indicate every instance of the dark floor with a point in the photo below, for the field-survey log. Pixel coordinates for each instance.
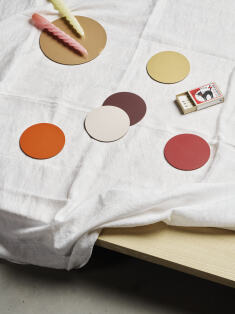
(111, 283)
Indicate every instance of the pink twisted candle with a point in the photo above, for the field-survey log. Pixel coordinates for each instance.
(42, 23)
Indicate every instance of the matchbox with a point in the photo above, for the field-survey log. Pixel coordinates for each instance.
(199, 98)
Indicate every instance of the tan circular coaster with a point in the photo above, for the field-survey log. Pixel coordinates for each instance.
(94, 41)
(168, 67)
(107, 123)
(42, 140)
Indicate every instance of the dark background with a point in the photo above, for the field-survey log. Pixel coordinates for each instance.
(109, 283)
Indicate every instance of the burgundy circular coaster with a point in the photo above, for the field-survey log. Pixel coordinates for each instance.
(131, 103)
(187, 151)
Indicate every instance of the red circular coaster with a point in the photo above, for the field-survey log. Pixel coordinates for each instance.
(187, 151)
(131, 103)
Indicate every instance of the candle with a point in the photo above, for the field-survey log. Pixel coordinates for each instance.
(43, 24)
(64, 11)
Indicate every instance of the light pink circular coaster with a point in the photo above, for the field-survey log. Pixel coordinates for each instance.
(131, 103)
(107, 124)
(187, 151)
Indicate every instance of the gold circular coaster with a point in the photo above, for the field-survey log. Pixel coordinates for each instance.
(168, 67)
(107, 123)
(94, 41)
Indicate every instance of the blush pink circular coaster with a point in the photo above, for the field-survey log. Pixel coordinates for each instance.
(187, 151)
(131, 103)
(107, 124)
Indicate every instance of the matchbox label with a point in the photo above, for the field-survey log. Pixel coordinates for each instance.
(205, 93)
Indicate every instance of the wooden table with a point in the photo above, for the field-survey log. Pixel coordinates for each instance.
(208, 253)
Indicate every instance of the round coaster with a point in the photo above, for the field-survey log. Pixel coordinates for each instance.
(107, 124)
(131, 103)
(168, 67)
(42, 140)
(187, 151)
(94, 41)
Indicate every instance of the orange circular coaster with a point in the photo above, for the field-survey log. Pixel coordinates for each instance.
(42, 140)
(94, 41)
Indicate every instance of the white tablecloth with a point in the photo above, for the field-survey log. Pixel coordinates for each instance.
(51, 211)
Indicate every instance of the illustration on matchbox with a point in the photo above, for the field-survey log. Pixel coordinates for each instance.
(205, 93)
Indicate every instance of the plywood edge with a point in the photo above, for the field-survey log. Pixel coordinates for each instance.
(166, 263)
(207, 253)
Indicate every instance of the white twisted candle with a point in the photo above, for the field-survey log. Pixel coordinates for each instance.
(64, 11)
